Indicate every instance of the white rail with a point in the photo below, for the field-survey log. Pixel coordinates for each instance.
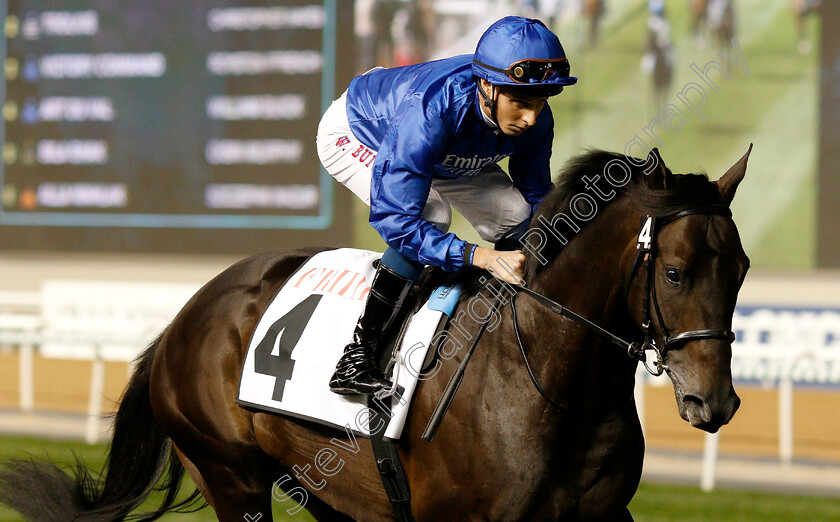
(87, 320)
(115, 321)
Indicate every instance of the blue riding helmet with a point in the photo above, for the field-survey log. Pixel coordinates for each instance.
(521, 52)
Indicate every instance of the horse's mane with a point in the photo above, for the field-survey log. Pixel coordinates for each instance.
(684, 191)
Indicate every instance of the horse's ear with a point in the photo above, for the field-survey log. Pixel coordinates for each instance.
(729, 182)
(657, 176)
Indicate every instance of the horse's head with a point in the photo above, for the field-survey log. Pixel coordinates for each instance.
(697, 269)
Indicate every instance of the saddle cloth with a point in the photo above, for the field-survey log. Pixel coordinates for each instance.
(303, 332)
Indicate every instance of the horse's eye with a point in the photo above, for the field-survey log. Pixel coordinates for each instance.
(673, 276)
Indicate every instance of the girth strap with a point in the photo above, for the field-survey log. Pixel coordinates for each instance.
(390, 467)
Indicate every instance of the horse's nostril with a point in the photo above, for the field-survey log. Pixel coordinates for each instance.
(692, 399)
(697, 406)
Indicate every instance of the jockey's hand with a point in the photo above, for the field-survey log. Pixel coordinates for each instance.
(505, 265)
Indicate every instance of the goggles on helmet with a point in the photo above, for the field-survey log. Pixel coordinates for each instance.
(533, 71)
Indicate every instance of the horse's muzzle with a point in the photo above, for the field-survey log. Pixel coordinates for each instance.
(709, 415)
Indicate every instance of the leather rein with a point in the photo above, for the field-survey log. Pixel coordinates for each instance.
(646, 254)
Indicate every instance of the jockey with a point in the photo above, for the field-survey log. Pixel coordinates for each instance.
(412, 140)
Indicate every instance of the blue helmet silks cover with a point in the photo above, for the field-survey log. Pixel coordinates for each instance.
(515, 39)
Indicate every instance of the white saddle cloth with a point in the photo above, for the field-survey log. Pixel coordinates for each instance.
(302, 334)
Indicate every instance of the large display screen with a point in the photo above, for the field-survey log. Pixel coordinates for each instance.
(159, 125)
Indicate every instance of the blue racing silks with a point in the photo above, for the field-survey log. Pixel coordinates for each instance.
(424, 121)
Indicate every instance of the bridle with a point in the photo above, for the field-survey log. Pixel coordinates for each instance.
(646, 251)
(645, 254)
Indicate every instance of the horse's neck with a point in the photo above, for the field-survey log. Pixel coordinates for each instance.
(587, 278)
(589, 269)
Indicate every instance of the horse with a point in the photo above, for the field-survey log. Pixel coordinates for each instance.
(544, 426)
(594, 11)
(721, 19)
(658, 60)
(718, 16)
(698, 15)
(802, 9)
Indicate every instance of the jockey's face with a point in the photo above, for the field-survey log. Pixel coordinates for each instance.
(515, 112)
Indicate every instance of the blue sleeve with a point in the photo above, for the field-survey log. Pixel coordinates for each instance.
(402, 177)
(529, 166)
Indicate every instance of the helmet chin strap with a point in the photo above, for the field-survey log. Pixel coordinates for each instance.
(489, 102)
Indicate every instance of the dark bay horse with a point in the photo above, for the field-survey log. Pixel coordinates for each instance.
(503, 452)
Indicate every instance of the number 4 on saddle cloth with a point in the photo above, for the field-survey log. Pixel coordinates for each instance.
(304, 330)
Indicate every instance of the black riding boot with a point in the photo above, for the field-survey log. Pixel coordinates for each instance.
(356, 371)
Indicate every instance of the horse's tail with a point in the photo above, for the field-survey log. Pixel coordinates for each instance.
(140, 454)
